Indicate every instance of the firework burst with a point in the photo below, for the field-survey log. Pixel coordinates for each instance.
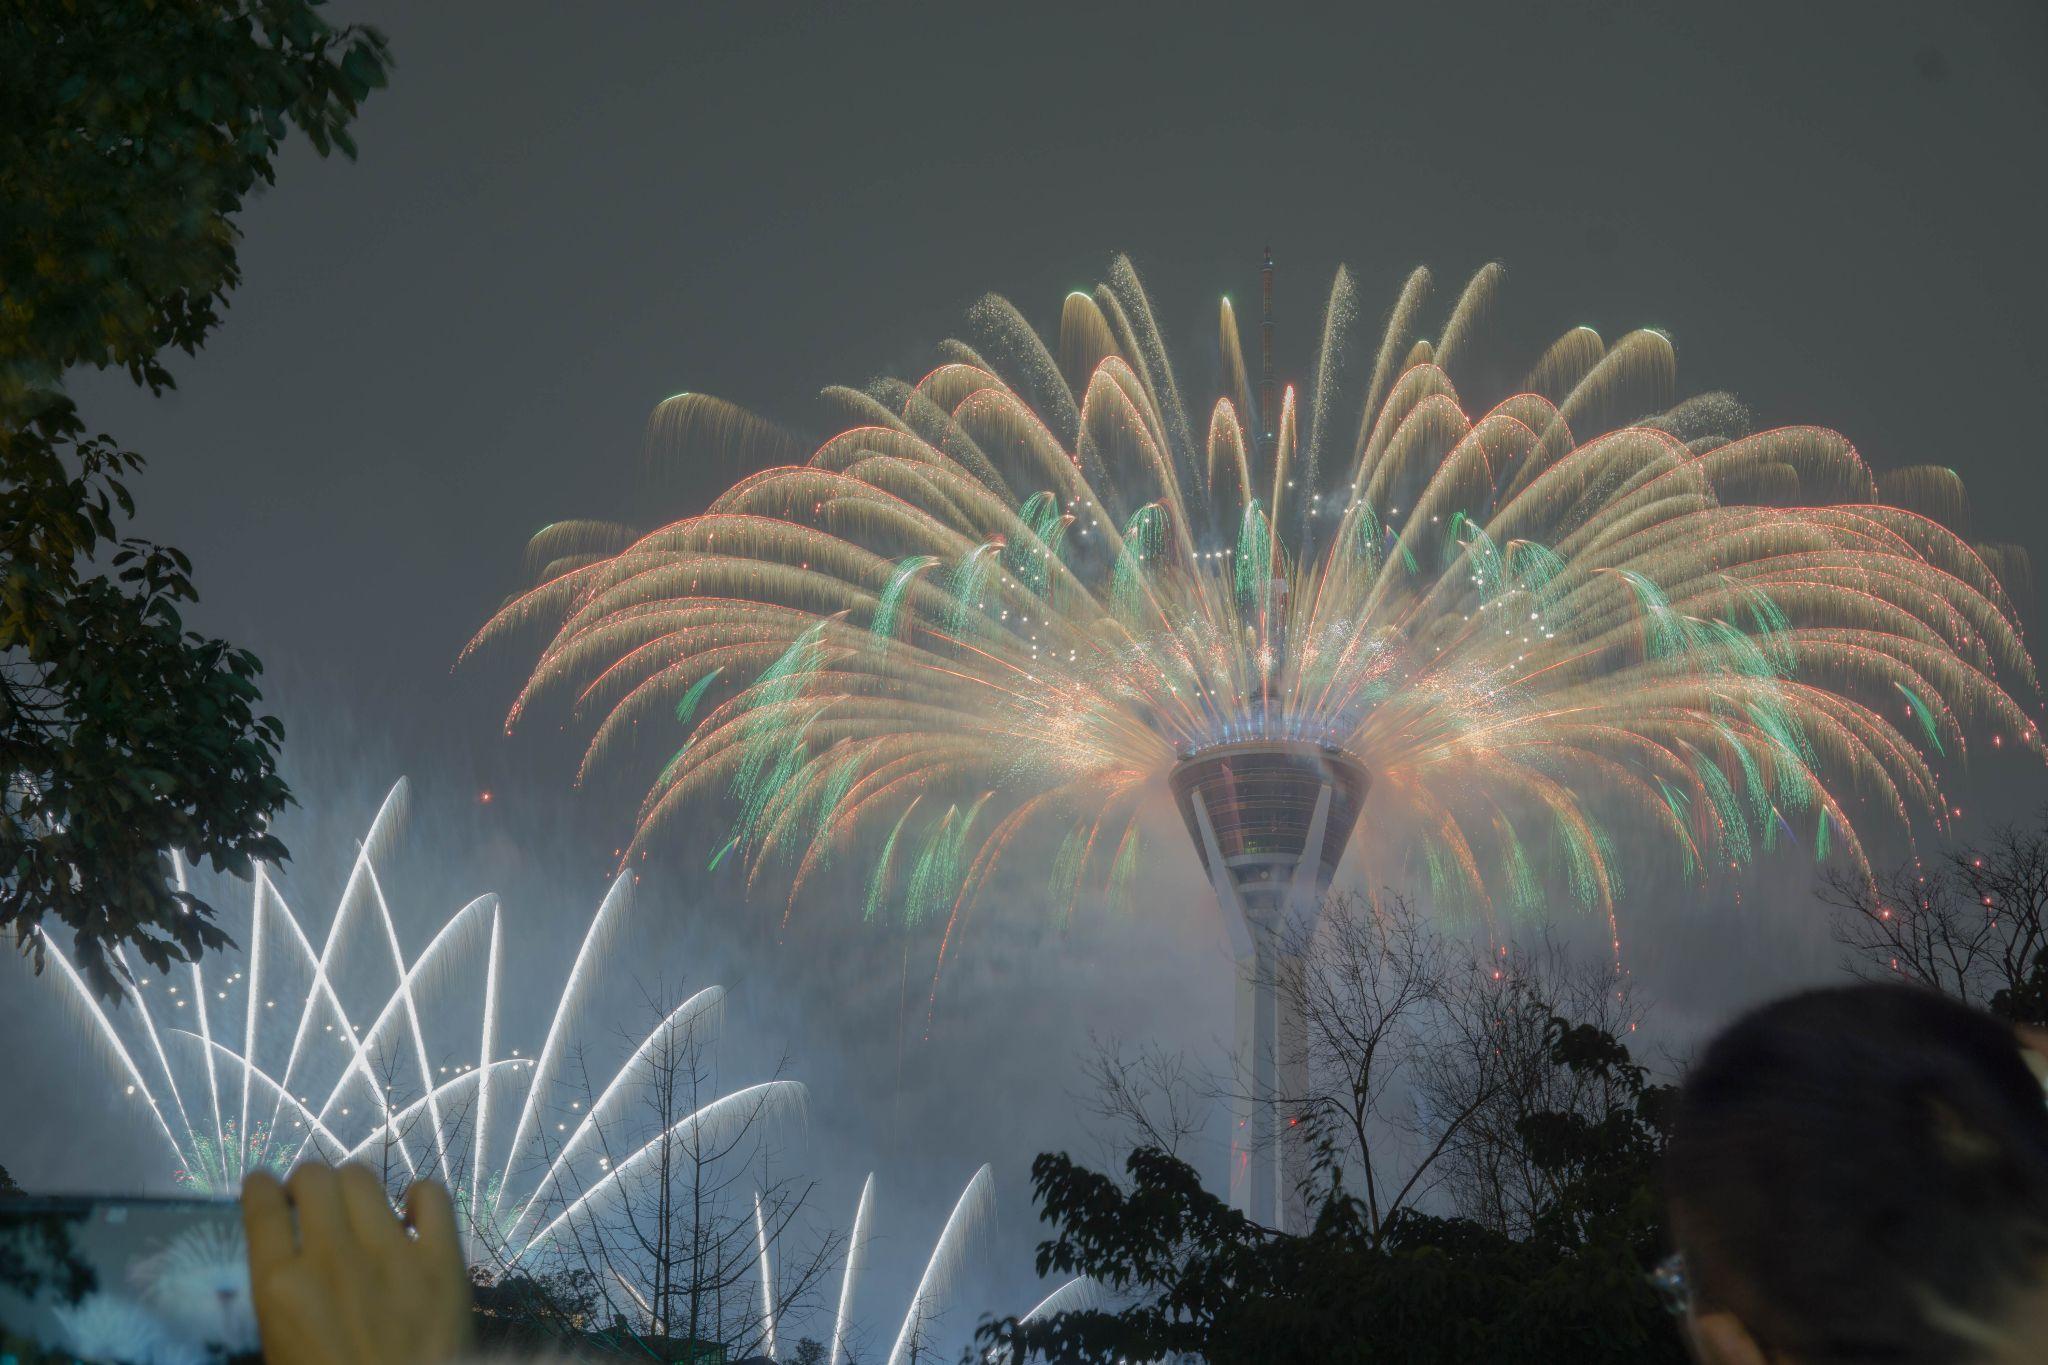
(1013, 594)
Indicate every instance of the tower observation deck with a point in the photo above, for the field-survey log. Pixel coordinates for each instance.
(1270, 820)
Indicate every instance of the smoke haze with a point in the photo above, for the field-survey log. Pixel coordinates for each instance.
(562, 216)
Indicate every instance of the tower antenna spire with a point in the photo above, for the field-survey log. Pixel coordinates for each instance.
(1269, 401)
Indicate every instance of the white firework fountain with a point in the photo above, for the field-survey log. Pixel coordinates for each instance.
(231, 1088)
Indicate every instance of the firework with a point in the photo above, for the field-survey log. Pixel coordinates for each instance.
(367, 1085)
(199, 1286)
(1013, 595)
(856, 1251)
(974, 1207)
(222, 1113)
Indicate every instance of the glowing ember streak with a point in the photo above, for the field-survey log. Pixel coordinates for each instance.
(856, 1251)
(974, 1206)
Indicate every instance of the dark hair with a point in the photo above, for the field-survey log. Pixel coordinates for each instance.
(1854, 1172)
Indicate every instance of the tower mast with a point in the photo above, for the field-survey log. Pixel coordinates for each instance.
(1269, 399)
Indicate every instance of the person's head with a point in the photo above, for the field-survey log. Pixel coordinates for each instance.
(1861, 1174)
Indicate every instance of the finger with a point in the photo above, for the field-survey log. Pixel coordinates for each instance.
(432, 1215)
(368, 1208)
(316, 1198)
(266, 1223)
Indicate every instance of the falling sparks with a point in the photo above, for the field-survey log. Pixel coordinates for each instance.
(1013, 594)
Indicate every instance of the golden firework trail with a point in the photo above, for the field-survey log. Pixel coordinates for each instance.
(1011, 595)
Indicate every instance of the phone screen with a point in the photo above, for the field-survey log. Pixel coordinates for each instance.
(128, 1281)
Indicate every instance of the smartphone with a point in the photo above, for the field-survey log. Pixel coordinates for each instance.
(125, 1281)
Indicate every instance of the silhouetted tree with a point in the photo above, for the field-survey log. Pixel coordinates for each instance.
(1148, 1095)
(1418, 1058)
(1497, 1072)
(526, 1312)
(1970, 922)
(672, 1209)
(130, 134)
(1195, 1278)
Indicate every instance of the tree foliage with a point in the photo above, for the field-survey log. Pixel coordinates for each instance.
(1195, 1277)
(131, 132)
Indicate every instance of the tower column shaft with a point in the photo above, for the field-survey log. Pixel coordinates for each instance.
(1265, 915)
(1263, 1195)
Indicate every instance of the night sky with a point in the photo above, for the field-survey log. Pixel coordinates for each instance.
(562, 214)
